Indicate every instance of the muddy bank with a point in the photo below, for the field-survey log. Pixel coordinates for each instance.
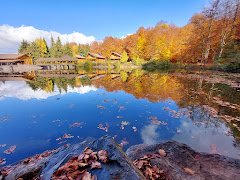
(104, 159)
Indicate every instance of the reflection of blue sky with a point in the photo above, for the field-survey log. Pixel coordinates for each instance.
(31, 116)
(152, 133)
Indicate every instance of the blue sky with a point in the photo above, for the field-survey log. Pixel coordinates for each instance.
(98, 18)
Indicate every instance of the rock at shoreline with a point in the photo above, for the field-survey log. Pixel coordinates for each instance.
(104, 159)
(182, 162)
(118, 165)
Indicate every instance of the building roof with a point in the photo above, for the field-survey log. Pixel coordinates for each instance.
(64, 58)
(98, 56)
(116, 54)
(11, 56)
(80, 57)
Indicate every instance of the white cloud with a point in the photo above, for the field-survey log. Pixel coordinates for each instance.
(10, 37)
(123, 37)
(20, 90)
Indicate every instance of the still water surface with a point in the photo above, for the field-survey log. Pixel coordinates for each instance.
(132, 107)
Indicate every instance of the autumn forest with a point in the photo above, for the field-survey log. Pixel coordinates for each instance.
(211, 37)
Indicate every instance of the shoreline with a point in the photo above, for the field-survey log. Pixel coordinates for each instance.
(174, 160)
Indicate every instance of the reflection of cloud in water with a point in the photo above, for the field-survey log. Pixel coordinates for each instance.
(149, 134)
(201, 138)
(20, 90)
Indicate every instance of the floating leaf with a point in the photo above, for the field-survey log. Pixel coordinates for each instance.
(67, 136)
(134, 129)
(124, 123)
(121, 108)
(119, 117)
(75, 124)
(100, 107)
(10, 150)
(155, 121)
(100, 126)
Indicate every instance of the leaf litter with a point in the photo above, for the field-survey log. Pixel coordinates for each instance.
(78, 167)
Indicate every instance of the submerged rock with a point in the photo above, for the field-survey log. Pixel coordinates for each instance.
(170, 160)
(182, 162)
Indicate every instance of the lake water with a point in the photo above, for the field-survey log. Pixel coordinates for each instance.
(47, 111)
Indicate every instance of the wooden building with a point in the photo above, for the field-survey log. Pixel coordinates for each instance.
(97, 58)
(65, 62)
(15, 59)
(115, 56)
(80, 58)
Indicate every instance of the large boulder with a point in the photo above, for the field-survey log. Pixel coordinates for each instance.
(182, 162)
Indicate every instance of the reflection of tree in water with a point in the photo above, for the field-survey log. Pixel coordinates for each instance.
(187, 93)
(45, 84)
(200, 117)
(201, 98)
(48, 84)
(154, 87)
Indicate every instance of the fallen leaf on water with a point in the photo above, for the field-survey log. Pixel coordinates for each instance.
(67, 136)
(162, 152)
(134, 129)
(59, 139)
(100, 107)
(57, 120)
(10, 150)
(155, 121)
(100, 126)
(124, 123)
(121, 108)
(119, 117)
(189, 171)
(106, 100)
(178, 131)
(75, 124)
(2, 161)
